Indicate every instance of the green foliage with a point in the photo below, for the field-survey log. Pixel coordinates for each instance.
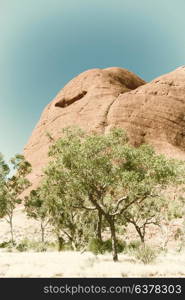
(146, 254)
(95, 246)
(67, 247)
(12, 187)
(4, 168)
(175, 209)
(31, 245)
(121, 246)
(4, 171)
(5, 244)
(100, 247)
(23, 246)
(105, 174)
(74, 225)
(134, 245)
(179, 234)
(35, 206)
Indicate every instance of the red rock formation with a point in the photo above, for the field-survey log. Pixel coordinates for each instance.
(101, 99)
(155, 113)
(84, 102)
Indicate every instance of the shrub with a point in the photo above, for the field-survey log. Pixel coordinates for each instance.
(5, 244)
(178, 234)
(95, 246)
(67, 247)
(122, 245)
(26, 245)
(23, 245)
(40, 247)
(100, 247)
(134, 245)
(146, 254)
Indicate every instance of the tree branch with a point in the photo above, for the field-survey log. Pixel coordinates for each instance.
(85, 207)
(119, 201)
(129, 204)
(66, 233)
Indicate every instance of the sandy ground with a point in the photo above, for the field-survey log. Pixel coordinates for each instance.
(75, 264)
(23, 227)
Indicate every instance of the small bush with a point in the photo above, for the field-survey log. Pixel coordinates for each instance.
(5, 244)
(26, 245)
(122, 245)
(134, 245)
(67, 247)
(178, 234)
(95, 246)
(23, 245)
(100, 247)
(40, 247)
(106, 246)
(146, 254)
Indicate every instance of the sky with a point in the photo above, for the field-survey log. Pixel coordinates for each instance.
(45, 43)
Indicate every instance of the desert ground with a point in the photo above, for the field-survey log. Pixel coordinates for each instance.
(75, 264)
(170, 263)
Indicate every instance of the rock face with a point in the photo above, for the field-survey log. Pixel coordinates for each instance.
(155, 114)
(84, 102)
(97, 100)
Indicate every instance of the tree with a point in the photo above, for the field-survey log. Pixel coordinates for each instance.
(174, 208)
(12, 187)
(35, 208)
(104, 173)
(4, 171)
(70, 225)
(143, 214)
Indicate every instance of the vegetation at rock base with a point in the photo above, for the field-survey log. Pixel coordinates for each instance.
(12, 187)
(105, 175)
(35, 208)
(93, 187)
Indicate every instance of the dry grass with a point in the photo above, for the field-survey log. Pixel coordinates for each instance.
(75, 264)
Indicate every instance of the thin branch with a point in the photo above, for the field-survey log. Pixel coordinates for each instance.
(129, 204)
(7, 220)
(85, 207)
(152, 222)
(66, 233)
(119, 201)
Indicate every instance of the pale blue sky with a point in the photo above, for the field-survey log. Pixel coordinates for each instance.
(45, 43)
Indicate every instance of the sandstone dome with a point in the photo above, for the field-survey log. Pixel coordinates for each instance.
(99, 99)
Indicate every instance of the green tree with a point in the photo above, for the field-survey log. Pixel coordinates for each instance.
(142, 215)
(4, 171)
(35, 208)
(12, 187)
(104, 173)
(72, 226)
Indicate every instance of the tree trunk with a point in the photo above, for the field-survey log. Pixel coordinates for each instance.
(42, 232)
(113, 239)
(73, 245)
(11, 229)
(141, 235)
(99, 226)
(60, 243)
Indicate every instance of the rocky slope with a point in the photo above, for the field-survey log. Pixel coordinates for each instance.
(101, 99)
(155, 113)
